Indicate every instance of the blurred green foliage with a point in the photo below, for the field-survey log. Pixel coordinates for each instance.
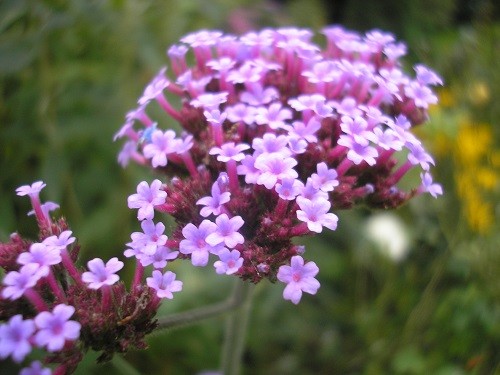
(70, 70)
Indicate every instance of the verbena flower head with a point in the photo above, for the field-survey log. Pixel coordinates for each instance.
(298, 131)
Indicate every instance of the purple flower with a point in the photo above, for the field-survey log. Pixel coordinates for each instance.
(15, 338)
(147, 198)
(388, 139)
(155, 87)
(247, 169)
(230, 151)
(159, 258)
(289, 188)
(46, 208)
(215, 116)
(150, 238)
(299, 278)
(270, 144)
(357, 128)
(241, 112)
(31, 190)
(36, 368)
(102, 274)
(60, 242)
(229, 263)
(428, 186)
(54, 328)
(358, 151)
(162, 144)
(195, 243)
(274, 116)
(16, 283)
(210, 101)
(315, 214)
(426, 76)
(214, 204)
(257, 95)
(247, 73)
(274, 168)
(303, 131)
(42, 255)
(164, 284)
(322, 72)
(422, 95)
(325, 179)
(418, 155)
(311, 193)
(227, 231)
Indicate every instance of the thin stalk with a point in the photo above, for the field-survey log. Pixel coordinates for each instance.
(236, 328)
(202, 313)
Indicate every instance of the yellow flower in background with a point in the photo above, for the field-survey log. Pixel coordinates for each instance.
(473, 143)
(476, 175)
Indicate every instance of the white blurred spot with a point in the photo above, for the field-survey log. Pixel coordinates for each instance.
(389, 234)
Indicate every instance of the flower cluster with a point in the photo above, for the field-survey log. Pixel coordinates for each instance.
(277, 133)
(47, 302)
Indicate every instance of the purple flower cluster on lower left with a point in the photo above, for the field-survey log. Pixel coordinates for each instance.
(48, 302)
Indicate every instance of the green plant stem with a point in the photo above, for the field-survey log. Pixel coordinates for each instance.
(236, 328)
(202, 313)
(123, 366)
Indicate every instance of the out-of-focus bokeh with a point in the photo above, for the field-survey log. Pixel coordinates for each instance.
(414, 291)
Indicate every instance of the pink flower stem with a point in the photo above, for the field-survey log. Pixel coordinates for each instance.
(56, 288)
(106, 297)
(43, 221)
(162, 101)
(384, 155)
(217, 135)
(344, 166)
(139, 272)
(70, 267)
(34, 297)
(398, 175)
(233, 175)
(189, 163)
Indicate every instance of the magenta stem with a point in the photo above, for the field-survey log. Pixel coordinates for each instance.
(56, 288)
(106, 297)
(36, 300)
(189, 163)
(344, 166)
(168, 108)
(398, 175)
(43, 221)
(233, 175)
(139, 272)
(70, 267)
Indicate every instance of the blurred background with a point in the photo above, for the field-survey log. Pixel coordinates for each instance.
(412, 291)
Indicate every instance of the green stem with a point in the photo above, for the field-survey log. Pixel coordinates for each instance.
(202, 313)
(236, 327)
(123, 366)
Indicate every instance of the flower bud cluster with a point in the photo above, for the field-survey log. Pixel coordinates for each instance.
(49, 303)
(277, 133)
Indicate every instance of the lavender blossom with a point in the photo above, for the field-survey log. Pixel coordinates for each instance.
(15, 338)
(55, 328)
(102, 274)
